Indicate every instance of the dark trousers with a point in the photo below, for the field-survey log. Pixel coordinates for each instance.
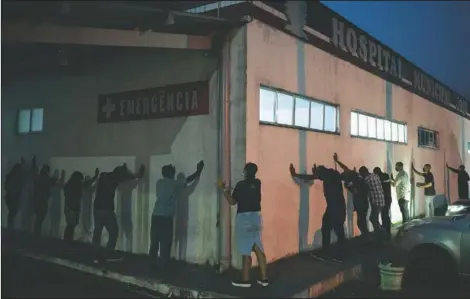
(405, 213)
(386, 221)
(362, 221)
(333, 219)
(105, 219)
(40, 214)
(71, 220)
(375, 212)
(161, 237)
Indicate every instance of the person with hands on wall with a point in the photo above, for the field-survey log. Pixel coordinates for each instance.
(247, 197)
(168, 190)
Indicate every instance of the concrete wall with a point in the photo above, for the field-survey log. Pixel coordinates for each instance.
(72, 140)
(238, 127)
(291, 212)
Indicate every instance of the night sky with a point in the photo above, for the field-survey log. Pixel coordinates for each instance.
(433, 35)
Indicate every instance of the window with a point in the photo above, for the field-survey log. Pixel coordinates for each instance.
(380, 129)
(394, 132)
(387, 130)
(316, 116)
(330, 118)
(373, 127)
(282, 108)
(354, 124)
(30, 120)
(266, 106)
(428, 138)
(302, 112)
(362, 125)
(401, 133)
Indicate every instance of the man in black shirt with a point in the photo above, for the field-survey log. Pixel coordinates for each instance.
(429, 188)
(247, 197)
(360, 190)
(463, 178)
(13, 187)
(73, 196)
(335, 213)
(387, 187)
(104, 215)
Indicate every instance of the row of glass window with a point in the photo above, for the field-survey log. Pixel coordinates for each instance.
(277, 107)
(377, 128)
(285, 109)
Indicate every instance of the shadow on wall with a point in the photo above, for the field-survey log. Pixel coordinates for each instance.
(126, 226)
(304, 210)
(55, 208)
(182, 216)
(26, 213)
(87, 210)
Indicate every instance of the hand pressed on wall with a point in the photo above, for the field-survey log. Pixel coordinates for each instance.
(221, 184)
(141, 171)
(200, 166)
(292, 169)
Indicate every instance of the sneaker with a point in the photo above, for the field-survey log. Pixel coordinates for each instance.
(241, 284)
(263, 283)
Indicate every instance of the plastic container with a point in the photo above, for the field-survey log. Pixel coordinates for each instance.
(391, 278)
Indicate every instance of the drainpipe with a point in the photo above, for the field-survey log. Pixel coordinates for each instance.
(225, 223)
(220, 155)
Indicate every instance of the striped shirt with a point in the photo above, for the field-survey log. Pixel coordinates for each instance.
(376, 192)
(402, 184)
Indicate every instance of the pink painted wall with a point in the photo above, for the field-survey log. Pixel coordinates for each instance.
(272, 60)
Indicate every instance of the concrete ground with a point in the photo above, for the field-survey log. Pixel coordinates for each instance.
(299, 275)
(24, 277)
(364, 289)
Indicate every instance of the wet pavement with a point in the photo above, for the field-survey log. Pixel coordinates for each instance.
(289, 276)
(24, 277)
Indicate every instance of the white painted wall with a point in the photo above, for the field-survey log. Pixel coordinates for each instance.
(72, 139)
